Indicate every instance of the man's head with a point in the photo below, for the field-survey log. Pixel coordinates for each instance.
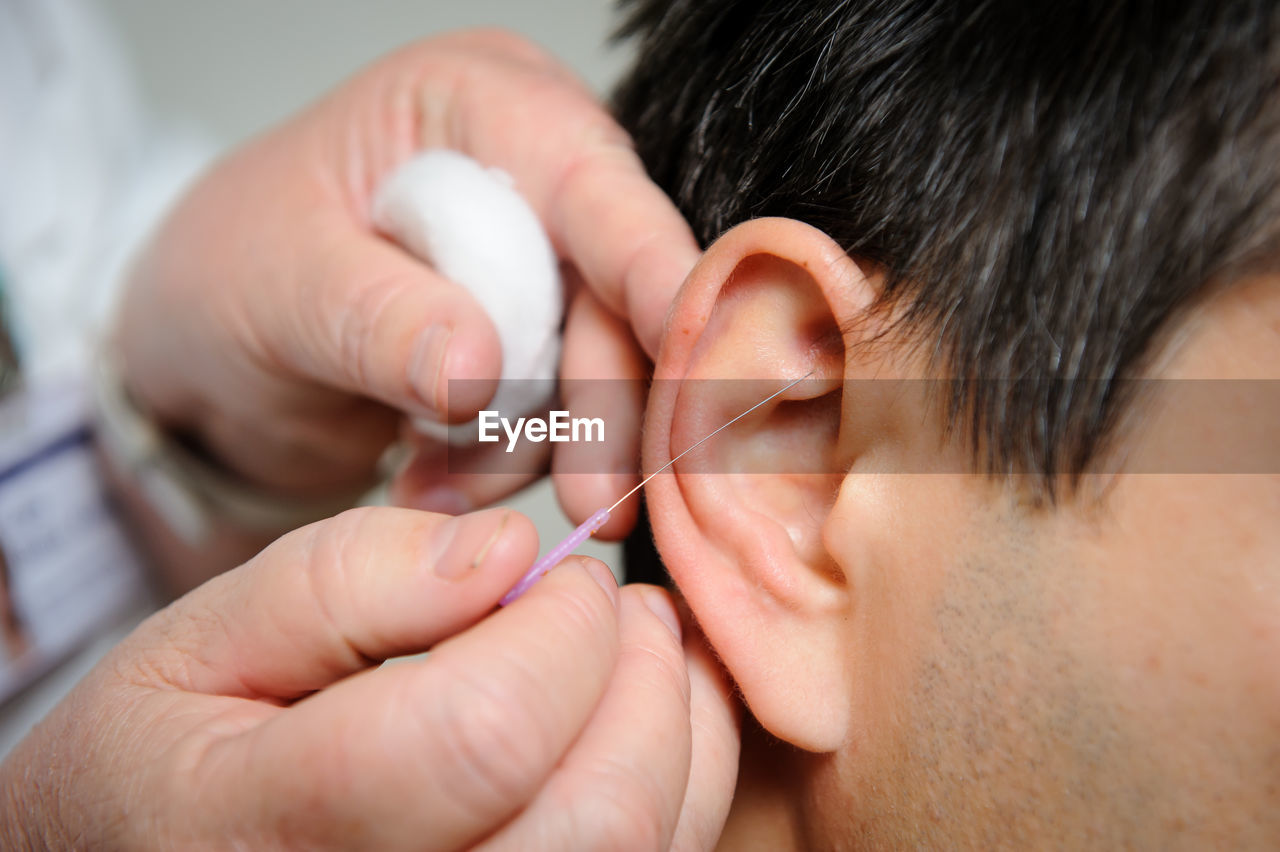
(1051, 636)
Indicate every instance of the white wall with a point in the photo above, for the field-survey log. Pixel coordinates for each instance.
(236, 66)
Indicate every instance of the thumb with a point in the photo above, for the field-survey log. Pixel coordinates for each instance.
(366, 317)
(334, 597)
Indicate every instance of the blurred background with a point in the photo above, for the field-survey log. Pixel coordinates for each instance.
(230, 69)
(234, 67)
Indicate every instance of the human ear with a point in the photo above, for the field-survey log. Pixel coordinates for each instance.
(741, 524)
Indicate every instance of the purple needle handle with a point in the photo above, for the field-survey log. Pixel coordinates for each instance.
(555, 554)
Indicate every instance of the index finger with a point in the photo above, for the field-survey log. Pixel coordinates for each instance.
(631, 245)
(576, 167)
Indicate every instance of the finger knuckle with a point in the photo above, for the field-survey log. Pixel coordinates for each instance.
(666, 669)
(654, 651)
(364, 317)
(494, 753)
(333, 556)
(336, 542)
(583, 618)
(604, 149)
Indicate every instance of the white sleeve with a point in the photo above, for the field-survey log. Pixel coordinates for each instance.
(84, 175)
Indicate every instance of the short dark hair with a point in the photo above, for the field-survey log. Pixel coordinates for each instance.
(1046, 186)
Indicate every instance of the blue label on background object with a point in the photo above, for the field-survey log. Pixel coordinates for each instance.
(67, 567)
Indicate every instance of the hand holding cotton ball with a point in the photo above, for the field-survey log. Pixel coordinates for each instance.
(471, 225)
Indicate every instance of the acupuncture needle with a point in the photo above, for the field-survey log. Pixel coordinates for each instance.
(601, 517)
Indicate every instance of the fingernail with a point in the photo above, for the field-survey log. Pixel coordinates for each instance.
(426, 365)
(444, 500)
(459, 545)
(660, 605)
(602, 575)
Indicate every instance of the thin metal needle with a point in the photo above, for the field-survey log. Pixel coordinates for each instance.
(709, 436)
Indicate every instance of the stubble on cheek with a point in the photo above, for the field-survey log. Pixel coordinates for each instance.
(1004, 738)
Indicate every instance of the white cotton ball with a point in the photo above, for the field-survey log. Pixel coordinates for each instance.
(471, 225)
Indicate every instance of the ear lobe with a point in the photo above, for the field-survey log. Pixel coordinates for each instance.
(740, 524)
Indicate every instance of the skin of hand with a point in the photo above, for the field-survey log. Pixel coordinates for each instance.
(270, 323)
(253, 713)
